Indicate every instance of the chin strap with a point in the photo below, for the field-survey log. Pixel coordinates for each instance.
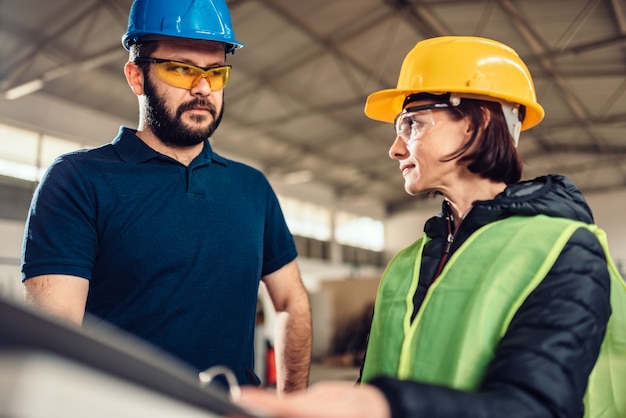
(511, 114)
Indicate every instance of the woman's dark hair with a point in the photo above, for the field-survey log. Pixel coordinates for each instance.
(490, 152)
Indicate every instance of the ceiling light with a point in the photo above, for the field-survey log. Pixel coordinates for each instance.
(24, 89)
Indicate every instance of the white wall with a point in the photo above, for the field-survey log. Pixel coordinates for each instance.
(404, 228)
(10, 249)
(608, 210)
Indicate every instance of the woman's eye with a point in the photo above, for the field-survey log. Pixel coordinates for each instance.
(415, 124)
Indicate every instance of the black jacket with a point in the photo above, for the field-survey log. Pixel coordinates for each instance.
(542, 363)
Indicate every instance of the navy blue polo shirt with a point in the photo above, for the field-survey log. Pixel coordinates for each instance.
(173, 254)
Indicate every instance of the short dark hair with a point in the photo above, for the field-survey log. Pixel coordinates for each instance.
(144, 49)
(491, 153)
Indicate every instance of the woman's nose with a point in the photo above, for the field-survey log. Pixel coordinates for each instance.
(398, 149)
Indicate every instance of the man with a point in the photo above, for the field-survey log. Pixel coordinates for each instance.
(156, 233)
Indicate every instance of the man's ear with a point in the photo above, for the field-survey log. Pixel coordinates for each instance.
(134, 77)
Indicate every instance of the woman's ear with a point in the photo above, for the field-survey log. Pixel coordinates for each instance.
(134, 77)
(469, 126)
(486, 117)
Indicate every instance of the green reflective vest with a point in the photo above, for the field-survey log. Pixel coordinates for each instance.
(469, 307)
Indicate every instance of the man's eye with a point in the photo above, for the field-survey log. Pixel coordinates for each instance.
(180, 69)
(185, 70)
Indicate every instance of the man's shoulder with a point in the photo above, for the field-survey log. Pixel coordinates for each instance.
(241, 168)
(88, 156)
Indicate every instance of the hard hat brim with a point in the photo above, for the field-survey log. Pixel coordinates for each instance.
(129, 40)
(384, 105)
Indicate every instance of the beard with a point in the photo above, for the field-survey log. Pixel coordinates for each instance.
(170, 128)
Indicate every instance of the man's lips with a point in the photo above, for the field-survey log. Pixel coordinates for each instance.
(199, 109)
(200, 112)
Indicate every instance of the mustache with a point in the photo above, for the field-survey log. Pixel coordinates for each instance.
(195, 104)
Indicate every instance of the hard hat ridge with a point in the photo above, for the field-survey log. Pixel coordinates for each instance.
(465, 65)
(191, 19)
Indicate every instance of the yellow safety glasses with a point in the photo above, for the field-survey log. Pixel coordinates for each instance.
(187, 76)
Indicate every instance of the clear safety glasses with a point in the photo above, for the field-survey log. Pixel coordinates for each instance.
(187, 76)
(413, 122)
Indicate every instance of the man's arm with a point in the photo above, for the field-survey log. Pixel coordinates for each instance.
(62, 296)
(293, 327)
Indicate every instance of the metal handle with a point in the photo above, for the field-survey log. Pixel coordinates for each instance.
(207, 376)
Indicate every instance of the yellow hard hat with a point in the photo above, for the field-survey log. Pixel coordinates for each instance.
(463, 65)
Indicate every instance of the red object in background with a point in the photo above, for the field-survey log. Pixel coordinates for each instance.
(270, 365)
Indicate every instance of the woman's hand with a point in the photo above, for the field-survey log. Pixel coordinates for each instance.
(332, 399)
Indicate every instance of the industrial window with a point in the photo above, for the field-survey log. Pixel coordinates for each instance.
(26, 155)
(314, 221)
(359, 231)
(306, 219)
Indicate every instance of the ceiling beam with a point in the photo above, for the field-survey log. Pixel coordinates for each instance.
(38, 83)
(41, 45)
(537, 45)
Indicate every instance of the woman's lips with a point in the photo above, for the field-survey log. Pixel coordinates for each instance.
(406, 168)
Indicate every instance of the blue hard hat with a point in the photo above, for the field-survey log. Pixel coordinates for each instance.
(207, 20)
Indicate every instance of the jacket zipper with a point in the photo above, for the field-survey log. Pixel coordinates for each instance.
(444, 256)
(448, 246)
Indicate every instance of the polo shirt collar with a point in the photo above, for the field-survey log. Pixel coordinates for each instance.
(132, 149)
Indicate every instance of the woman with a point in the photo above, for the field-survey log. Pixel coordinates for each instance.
(502, 307)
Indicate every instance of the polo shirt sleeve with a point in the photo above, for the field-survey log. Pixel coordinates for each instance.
(60, 235)
(279, 245)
